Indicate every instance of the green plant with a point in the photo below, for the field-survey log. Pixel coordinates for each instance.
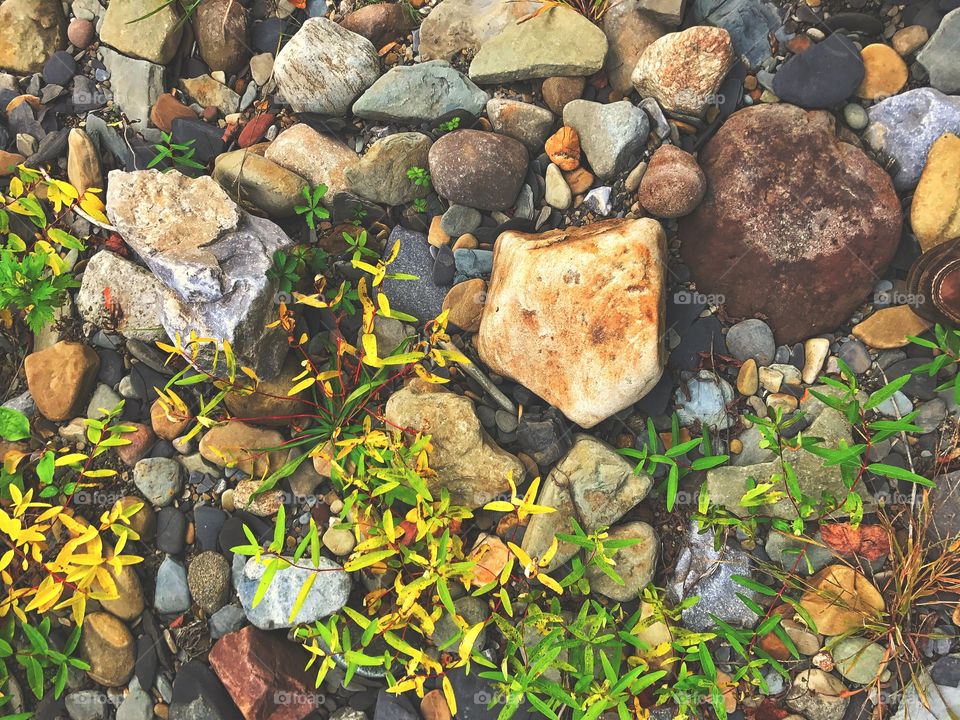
(449, 125)
(313, 210)
(419, 176)
(43, 663)
(419, 205)
(180, 155)
(187, 9)
(287, 267)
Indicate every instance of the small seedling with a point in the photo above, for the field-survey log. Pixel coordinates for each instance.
(179, 154)
(313, 210)
(450, 125)
(419, 176)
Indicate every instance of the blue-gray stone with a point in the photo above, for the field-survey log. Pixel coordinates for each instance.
(173, 595)
(473, 263)
(421, 297)
(747, 21)
(905, 126)
(823, 76)
(226, 620)
(940, 56)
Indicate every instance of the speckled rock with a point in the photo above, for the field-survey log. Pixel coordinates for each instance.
(673, 184)
(456, 25)
(381, 174)
(798, 261)
(30, 32)
(629, 29)
(478, 169)
(318, 158)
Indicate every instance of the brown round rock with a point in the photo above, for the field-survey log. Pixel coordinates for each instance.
(379, 23)
(107, 645)
(60, 378)
(478, 169)
(795, 224)
(673, 184)
(465, 303)
(222, 29)
(558, 91)
(81, 33)
(167, 109)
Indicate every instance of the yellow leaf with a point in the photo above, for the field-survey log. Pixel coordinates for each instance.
(69, 459)
(448, 689)
(550, 583)
(468, 641)
(302, 385)
(521, 554)
(499, 506)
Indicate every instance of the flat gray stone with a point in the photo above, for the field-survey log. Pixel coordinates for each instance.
(941, 55)
(172, 594)
(135, 297)
(136, 85)
(611, 135)
(158, 479)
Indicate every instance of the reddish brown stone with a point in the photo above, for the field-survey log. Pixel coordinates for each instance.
(167, 109)
(254, 130)
(379, 23)
(795, 225)
(141, 440)
(264, 674)
(60, 378)
(558, 91)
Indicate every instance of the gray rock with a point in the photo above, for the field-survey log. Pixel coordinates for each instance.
(855, 116)
(158, 479)
(705, 572)
(136, 85)
(784, 550)
(421, 93)
(860, 660)
(226, 620)
(329, 593)
(905, 126)
(593, 484)
(137, 705)
(530, 124)
(140, 29)
(752, 339)
(324, 67)
(87, 705)
(939, 55)
(748, 22)
(172, 594)
(381, 174)
(933, 694)
(473, 610)
(930, 415)
(895, 406)
(420, 298)
(459, 220)
(208, 578)
(629, 30)
(555, 42)
(464, 25)
(855, 354)
(635, 564)
(704, 399)
(103, 400)
(611, 135)
(210, 255)
(818, 695)
(135, 297)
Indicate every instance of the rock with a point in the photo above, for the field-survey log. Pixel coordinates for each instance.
(421, 93)
(935, 211)
(563, 148)
(705, 572)
(890, 327)
(635, 564)
(136, 85)
(167, 109)
(9, 162)
(144, 520)
(60, 378)
(748, 379)
(327, 595)
(261, 68)
(673, 184)
(59, 69)
(223, 34)
(860, 660)
(778, 244)
(459, 220)
(87, 705)
(749, 23)
(172, 595)
(752, 339)
(558, 194)
(198, 695)
(907, 40)
(839, 599)
(434, 706)
(167, 422)
(592, 484)
(137, 705)
(558, 91)
(339, 541)
(135, 298)
(30, 32)
(555, 42)
(683, 71)
(704, 399)
(466, 461)
(629, 30)
(904, 128)
(171, 530)
(83, 162)
(473, 610)
(465, 303)
(727, 484)
(421, 298)
(158, 479)
(227, 619)
(81, 33)
(939, 55)
(264, 674)
(527, 123)
(140, 29)
(381, 174)
(208, 578)
(611, 135)
(590, 353)
(379, 23)
(818, 694)
(212, 257)
(266, 504)
(253, 179)
(108, 647)
(823, 76)
(241, 445)
(323, 68)
(464, 25)
(269, 405)
(885, 72)
(931, 693)
(319, 159)
(855, 116)
(129, 603)
(478, 169)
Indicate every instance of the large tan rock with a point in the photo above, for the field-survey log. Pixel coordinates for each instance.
(840, 599)
(244, 446)
(60, 378)
(30, 32)
(576, 316)
(464, 25)
(142, 29)
(684, 70)
(466, 461)
(317, 158)
(629, 32)
(269, 403)
(107, 645)
(83, 162)
(935, 212)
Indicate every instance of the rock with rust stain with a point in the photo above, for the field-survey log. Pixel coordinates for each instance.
(795, 228)
(577, 315)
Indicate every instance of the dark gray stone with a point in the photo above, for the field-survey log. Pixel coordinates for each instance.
(421, 298)
(821, 77)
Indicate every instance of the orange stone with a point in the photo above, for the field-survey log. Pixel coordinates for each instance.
(563, 148)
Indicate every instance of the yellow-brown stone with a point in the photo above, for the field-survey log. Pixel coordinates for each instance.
(885, 72)
(935, 212)
(890, 327)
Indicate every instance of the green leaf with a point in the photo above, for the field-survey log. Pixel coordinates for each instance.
(898, 473)
(14, 425)
(886, 392)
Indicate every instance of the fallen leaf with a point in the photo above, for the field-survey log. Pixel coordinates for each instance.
(867, 541)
